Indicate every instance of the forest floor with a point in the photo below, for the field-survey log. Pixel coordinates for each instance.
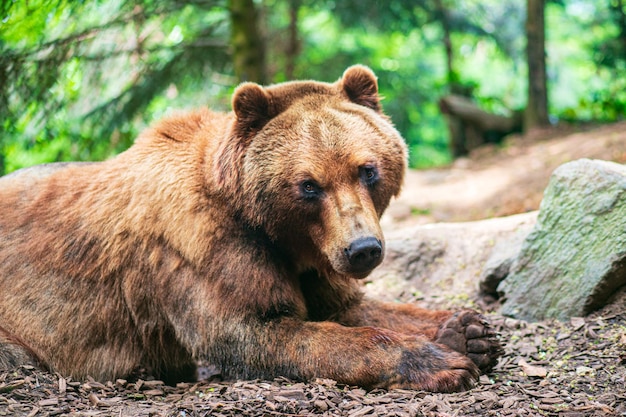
(549, 368)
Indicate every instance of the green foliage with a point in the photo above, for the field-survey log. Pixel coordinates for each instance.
(80, 76)
(409, 84)
(588, 47)
(80, 79)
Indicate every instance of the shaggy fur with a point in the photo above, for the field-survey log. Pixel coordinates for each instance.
(235, 238)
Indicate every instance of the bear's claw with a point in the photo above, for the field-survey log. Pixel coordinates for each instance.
(469, 333)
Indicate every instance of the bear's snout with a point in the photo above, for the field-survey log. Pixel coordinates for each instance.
(364, 254)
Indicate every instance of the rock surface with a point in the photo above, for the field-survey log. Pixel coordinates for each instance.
(439, 265)
(575, 257)
(499, 264)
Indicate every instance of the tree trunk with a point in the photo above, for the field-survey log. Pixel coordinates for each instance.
(293, 45)
(536, 114)
(618, 9)
(447, 42)
(248, 46)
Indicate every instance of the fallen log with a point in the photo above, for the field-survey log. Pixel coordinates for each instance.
(471, 127)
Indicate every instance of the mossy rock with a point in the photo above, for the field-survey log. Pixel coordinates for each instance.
(575, 257)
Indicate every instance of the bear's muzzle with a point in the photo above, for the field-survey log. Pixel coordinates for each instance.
(363, 255)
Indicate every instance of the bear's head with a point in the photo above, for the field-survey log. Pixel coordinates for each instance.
(314, 165)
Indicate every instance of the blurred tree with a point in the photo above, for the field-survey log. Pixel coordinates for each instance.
(79, 79)
(281, 27)
(248, 46)
(444, 18)
(293, 44)
(536, 114)
(607, 30)
(618, 7)
(443, 36)
(76, 77)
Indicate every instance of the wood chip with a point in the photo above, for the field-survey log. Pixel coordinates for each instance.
(62, 386)
(320, 405)
(584, 371)
(295, 394)
(93, 399)
(532, 371)
(577, 323)
(48, 402)
(33, 412)
(152, 384)
(362, 412)
(13, 385)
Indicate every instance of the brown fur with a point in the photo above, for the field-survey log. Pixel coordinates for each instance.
(199, 242)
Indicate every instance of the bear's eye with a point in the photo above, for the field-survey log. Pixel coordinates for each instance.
(310, 190)
(369, 174)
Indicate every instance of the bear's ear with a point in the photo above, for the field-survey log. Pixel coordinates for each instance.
(252, 108)
(360, 84)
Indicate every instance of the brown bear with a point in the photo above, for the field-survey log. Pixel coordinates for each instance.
(234, 238)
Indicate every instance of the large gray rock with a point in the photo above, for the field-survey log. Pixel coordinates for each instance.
(499, 264)
(575, 258)
(439, 265)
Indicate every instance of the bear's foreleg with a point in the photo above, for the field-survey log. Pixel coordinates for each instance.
(467, 331)
(365, 356)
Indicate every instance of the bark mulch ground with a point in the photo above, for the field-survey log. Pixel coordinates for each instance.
(550, 368)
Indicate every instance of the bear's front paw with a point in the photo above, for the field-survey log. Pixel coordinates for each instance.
(437, 369)
(469, 333)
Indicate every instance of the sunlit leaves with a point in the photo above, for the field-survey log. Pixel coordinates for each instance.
(79, 79)
(77, 76)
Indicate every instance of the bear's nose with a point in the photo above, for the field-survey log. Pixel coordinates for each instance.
(364, 254)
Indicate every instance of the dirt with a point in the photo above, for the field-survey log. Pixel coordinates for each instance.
(550, 368)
